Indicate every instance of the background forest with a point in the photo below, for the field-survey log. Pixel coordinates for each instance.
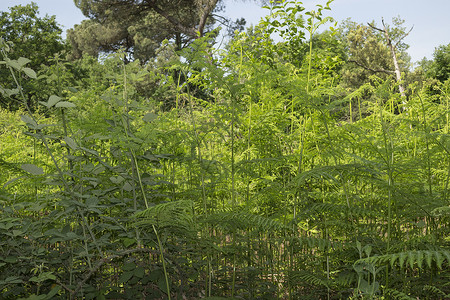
(146, 157)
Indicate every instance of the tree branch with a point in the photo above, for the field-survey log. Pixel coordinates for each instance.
(373, 27)
(208, 9)
(405, 35)
(370, 69)
(186, 30)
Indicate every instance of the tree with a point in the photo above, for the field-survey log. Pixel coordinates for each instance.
(392, 47)
(139, 26)
(369, 52)
(439, 67)
(38, 39)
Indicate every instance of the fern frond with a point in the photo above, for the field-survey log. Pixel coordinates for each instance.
(436, 291)
(410, 258)
(335, 173)
(175, 214)
(441, 211)
(394, 294)
(298, 277)
(345, 279)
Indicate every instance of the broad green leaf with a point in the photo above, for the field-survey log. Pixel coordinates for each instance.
(111, 122)
(126, 276)
(139, 272)
(35, 297)
(162, 284)
(53, 292)
(129, 266)
(52, 100)
(13, 63)
(428, 257)
(439, 258)
(13, 280)
(149, 117)
(30, 73)
(117, 179)
(98, 169)
(127, 187)
(9, 92)
(65, 104)
(22, 61)
(71, 143)
(29, 121)
(411, 258)
(72, 89)
(17, 232)
(10, 259)
(42, 277)
(128, 242)
(32, 169)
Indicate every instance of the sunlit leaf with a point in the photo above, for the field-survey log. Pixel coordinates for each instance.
(71, 143)
(29, 121)
(22, 61)
(65, 104)
(149, 117)
(30, 73)
(52, 100)
(32, 169)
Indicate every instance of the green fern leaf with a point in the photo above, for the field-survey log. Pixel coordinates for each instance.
(411, 258)
(394, 294)
(402, 258)
(429, 258)
(439, 258)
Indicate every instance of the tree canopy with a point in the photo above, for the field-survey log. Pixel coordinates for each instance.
(368, 53)
(28, 36)
(440, 65)
(139, 27)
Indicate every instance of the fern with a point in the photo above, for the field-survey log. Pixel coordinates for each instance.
(394, 294)
(297, 277)
(410, 258)
(436, 291)
(177, 215)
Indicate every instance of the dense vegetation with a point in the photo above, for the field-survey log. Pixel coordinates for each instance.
(258, 170)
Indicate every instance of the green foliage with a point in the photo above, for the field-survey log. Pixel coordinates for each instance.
(139, 27)
(240, 173)
(368, 53)
(439, 67)
(30, 36)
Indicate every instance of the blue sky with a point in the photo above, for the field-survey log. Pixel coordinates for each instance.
(430, 18)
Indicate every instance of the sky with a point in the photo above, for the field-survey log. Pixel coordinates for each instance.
(430, 18)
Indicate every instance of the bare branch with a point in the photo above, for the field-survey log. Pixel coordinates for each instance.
(405, 35)
(373, 27)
